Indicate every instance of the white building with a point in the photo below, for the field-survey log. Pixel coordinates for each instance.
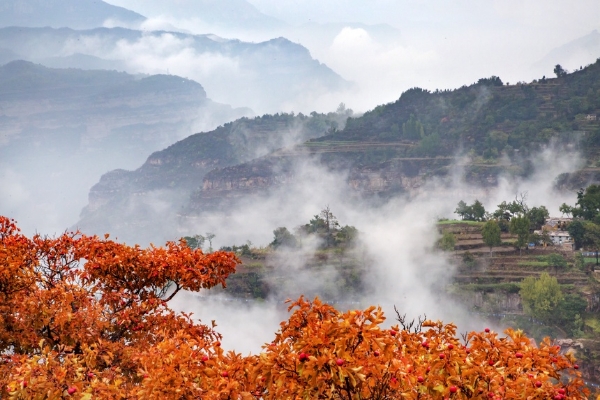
(560, 237)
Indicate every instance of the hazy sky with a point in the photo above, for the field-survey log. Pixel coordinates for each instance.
(437, 44)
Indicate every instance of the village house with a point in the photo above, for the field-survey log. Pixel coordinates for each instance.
(556, 230)
(591, 117)
(560, 237)
(556, 224)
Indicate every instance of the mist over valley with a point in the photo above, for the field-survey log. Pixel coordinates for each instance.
(359, 154)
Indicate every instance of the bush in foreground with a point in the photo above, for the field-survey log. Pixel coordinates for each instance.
(83, 317)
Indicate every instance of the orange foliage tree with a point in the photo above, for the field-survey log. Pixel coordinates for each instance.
(88, 318)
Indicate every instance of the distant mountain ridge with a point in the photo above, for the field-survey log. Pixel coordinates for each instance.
(266, 75)
(77, 14)
(34, 98)
(60, 129)
(573, 54)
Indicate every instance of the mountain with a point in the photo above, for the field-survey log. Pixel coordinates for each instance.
(575, 54)
(267, 77)
(60, 129)
(174, 173)
(77, 14)
(395, 148)
(103, 104)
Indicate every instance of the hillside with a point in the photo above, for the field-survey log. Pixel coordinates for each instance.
(490, 285)
(178, 170)
(70, 126)
(396, 147)
(77, 14)
(105, 108)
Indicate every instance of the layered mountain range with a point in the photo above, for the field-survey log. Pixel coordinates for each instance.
(60, 129)
(99, 111)
(489, 128)
(264, 76)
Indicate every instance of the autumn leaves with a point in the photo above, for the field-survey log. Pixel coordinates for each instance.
(83, 317)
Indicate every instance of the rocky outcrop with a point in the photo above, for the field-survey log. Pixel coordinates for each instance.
(260, 176)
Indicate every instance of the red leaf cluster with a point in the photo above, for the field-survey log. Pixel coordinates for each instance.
(85, 318)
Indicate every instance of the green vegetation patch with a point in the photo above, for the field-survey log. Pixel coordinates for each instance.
(593, 323)
(506, 287)
(529, 263)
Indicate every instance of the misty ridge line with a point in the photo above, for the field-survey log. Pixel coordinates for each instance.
(271, 73)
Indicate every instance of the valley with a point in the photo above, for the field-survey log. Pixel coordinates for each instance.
(354, 195)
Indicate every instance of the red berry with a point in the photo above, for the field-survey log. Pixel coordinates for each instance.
(450, 346)
(376, 353)
(491, 362)
(428, 368)
(468, 350)
(24, 383)
(538, 384)
(487, 330)
(442, 356)
(425, 344)
(224, 374)
(339, 362)
(561, 391)
(420, 379)
(204, 358)
(393, 332)
(72, 390)
(576, 366)
(558, 397)
(490, 395)
(519, 355)
(217, 344)
(453, 389)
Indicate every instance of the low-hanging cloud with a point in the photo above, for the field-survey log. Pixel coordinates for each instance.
(403, 267)
(376, 66)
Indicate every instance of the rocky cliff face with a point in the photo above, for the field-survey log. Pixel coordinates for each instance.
(226, 185)
(392, 176)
